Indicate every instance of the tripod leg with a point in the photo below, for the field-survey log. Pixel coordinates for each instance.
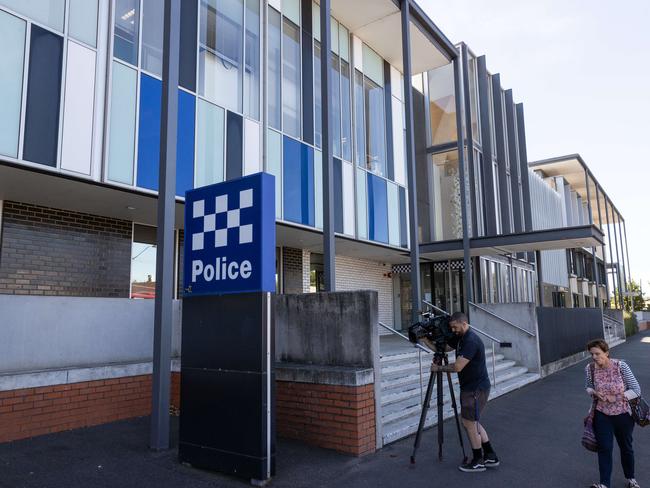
(453, 405)
(441, 427)
(423, 416)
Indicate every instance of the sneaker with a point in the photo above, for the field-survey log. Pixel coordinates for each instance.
(475, 465)
(491, 460)
(632, 483)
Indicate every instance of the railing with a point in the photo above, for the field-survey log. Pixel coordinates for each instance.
(505, 321)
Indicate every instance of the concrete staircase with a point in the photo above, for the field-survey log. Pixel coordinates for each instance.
(401, 395)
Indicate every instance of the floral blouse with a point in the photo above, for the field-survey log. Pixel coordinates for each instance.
(616, 380)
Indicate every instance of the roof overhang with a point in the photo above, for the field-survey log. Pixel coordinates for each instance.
(574, 169)
(543, 240)
(378, 23)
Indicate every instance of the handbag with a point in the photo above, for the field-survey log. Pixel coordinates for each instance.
(640, 411)
(589, 441)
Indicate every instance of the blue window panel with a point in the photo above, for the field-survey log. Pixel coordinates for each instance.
(377, 209)
(338, 196)
(298, 182)
(185, 143)
(149, 132)
(43, 97)
(149, 137)
(234, 145)
(403, 232)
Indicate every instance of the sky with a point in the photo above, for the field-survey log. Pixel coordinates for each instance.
(582, 70)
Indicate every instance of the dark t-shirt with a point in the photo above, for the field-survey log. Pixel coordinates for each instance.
(474, 376)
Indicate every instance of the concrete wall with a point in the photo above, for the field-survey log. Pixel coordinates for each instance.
(41, 333)
(327, 329)
(525, 349)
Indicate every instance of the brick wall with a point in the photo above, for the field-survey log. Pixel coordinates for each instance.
(363, 274)
(45, 251)
(293, 264)
(36, 411)
(330, 416)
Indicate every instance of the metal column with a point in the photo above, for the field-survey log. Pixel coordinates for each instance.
(622, 257)
(162, 341)
(329, 249)
(611, 255)
(410, 163)
(627, 254)
(600, 222)
(593, 249)
(460, 122)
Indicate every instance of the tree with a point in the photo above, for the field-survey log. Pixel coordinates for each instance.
(635, 300)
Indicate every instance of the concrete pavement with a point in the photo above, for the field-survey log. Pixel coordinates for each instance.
(536, 431)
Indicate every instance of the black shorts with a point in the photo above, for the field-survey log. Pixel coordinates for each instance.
(472, 403)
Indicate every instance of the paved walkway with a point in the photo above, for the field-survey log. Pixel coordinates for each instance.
(536, 431)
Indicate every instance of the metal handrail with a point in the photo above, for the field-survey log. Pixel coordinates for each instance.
(436, 308)
(505, 321)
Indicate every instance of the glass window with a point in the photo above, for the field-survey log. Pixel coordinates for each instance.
(252, 57)
(291, 78)
(373, 65)
(274, 166)
(377, 209)
(152, 36)
(442, 105)
(318, 108)
(318, 188)
(274, 88)
(336, 106)
(12, 56)
(473, 97)
(47, 12)
(143, 262)
(346, 112)
(221, 52)
(444, 193)
(122, 125)
(359, 125)
(362, 205)
(127, 23)
(291, 9)
(393, 214)
(82, 24)
(375, 127)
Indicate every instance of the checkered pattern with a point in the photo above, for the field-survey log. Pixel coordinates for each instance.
(232, 221)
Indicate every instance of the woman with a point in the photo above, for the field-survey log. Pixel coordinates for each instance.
(612, 385)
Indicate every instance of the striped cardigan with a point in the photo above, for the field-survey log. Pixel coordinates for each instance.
(632, 388)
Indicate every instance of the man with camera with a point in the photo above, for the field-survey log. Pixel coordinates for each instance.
(474, 390)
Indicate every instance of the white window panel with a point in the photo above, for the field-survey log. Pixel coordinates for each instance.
(357, 53)
(12, 55)
(47, 12)
(78, 109)
(362, 205)
(274, 166)
(318, 188)
(276, 4)
(373, 65)
(210, 129)
(82, 24)
(315, 20)
(122, 125)
(396, 83)
(344, 43)
(291, 10)
(398, 141)
(252, 161)
(348, 199)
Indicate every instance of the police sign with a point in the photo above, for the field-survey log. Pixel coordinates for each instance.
(230, 237)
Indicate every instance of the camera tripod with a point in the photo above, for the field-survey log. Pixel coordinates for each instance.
(439, 358)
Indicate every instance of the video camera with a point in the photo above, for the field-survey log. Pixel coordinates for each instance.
(435, 328)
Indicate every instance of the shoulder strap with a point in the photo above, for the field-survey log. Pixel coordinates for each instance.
(592, 370)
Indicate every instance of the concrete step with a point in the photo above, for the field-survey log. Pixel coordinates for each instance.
(408, 365)
(410, 401)
(405, 426)
(505, 371)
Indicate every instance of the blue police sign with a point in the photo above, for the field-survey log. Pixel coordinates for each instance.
(230, 237)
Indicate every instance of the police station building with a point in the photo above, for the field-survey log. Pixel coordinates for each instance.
(436, 176)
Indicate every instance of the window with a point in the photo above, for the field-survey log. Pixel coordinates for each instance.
(291, 78)
(122, 124)
(375, 127)
(127, 22)
(359, 124)
(209, 143)
(12, 40)
(473, 97)
(444, 195)
(274, 88)
(318, 98)
(346, 112)
(335, 114)
(152, 36)
(49, 12)
(143, 262)
(442, 105)
(316, 273)
(221, 52)
(82, 24)
(252, 58)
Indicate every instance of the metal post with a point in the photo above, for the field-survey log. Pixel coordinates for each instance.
(602, 248)
(593, 249)
(624, 267)
(410, 160)
(329, 250)
(627, 254)
(611, 255)
(621, 302)
(162, 340)
(469, 135)
(264, 88)
(540, 288)
(469, 290)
